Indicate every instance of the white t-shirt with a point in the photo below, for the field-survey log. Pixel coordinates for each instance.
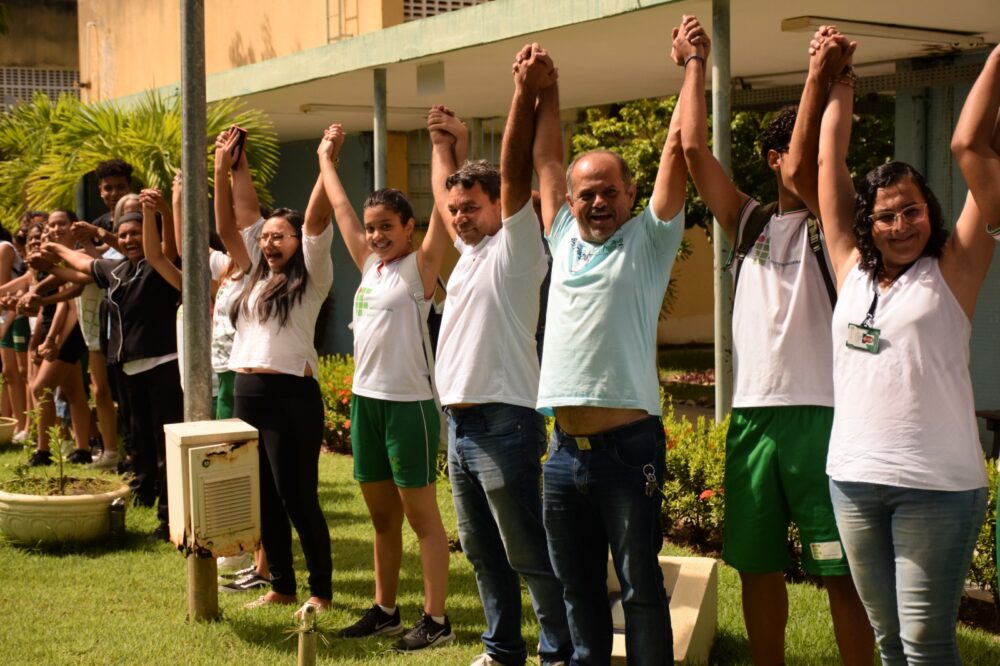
(389, 361)
(604, 302)
(287, 349)
(486, 348)
(905, 416)
(781, 319)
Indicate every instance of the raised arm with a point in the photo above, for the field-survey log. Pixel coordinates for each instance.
(976, 146)
(80, 262)
(225, 217)
(246, 205)
(177, 199)
(710, 179)
(669, 188)
(547, 155)
(531, 75)
(343, 212)
(449, 146)
(152, 246)
(318, 210)
(835, 189)
(800, 164)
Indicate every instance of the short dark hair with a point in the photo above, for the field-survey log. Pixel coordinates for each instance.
(67, 212)
(392, 199)
(881, 177)
(112, 168)
(778, 133)
(622, 167)
(477, 171)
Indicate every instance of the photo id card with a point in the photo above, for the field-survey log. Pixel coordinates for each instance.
(862, 338)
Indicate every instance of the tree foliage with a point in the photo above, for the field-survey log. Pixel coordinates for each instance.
(47, 147)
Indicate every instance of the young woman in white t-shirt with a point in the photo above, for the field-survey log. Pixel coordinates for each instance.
(394, 421)
(276, 366)
(907, 477)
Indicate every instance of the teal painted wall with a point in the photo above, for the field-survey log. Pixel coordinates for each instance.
(297, 172)
(925, 120)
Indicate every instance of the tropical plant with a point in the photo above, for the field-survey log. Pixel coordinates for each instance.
(335, 377)
(46, 147)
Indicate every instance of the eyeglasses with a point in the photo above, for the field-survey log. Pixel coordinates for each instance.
(912, 214)
(277, 239)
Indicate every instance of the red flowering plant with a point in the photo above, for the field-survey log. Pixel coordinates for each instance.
(693, 491)
(335, 377)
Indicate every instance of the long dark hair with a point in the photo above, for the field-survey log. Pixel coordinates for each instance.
(281, 290)
(880, 177)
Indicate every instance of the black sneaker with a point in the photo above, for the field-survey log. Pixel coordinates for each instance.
(375, 622)
(426, 633)
(252, 581)
(40, 459)
(236, 575)
(80, 457)
(161, 533)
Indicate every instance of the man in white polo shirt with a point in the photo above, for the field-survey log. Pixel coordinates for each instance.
(487, 375)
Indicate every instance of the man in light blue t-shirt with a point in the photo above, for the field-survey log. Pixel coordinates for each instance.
(599, 379)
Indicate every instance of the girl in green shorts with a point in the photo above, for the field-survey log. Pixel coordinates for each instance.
(394, 422)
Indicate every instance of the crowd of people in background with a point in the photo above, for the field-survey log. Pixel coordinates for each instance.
(852, 414)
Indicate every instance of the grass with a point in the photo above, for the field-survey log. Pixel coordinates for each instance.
(105, 604)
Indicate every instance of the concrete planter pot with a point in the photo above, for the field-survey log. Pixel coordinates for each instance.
(7, 425)
(49, 519)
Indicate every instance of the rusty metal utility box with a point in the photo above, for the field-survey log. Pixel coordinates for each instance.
(213, 486)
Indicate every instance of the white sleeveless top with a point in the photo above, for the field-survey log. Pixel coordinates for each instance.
(781, 319)
(389, 361)
(905, 416)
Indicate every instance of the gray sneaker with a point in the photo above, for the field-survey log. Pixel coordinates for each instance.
(251, 581)
(426, 633)
(375, 622)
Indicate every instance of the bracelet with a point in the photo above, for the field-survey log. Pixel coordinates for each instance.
(847, 76)
(694, 57)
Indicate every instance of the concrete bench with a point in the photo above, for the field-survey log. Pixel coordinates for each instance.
(693, 586)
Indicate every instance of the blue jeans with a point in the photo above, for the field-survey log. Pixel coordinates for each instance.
(598, 498)
(494, 463)
(909, 551)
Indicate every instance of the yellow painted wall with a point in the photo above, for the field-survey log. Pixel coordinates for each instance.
(127, 46)
(692, 317)
(42, 37)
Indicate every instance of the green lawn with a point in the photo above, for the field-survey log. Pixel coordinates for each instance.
(102, 605)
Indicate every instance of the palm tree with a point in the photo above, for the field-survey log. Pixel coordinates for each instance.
(46, 148)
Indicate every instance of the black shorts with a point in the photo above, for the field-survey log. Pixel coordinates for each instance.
(74, 348)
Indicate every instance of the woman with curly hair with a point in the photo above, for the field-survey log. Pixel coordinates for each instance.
(905, 463)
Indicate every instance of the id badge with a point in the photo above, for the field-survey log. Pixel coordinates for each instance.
(863, 338)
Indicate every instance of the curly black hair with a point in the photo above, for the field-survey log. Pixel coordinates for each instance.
(112, 168)
(778, 133)
(880, 177)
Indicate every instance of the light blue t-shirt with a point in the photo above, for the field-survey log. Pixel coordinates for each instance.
(604, 302)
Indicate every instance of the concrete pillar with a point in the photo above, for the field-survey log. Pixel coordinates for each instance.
(381, 133)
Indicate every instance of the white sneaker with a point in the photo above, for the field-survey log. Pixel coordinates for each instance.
(485, 660)
(20, 437)
(235, 563)
(108, 460)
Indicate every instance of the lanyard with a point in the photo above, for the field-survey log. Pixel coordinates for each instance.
(870, 317)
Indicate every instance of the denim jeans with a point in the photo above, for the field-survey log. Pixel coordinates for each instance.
(494, 462)
(909, 551)
(598, 498)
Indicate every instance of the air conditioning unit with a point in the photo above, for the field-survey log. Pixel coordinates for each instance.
(213, 490)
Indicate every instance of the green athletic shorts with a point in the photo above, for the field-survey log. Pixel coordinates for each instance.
(17, 335)
(394, 440)
(776, 472)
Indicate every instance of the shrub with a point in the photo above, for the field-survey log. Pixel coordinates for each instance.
(693, 480)
(336, 374)
(983, 571)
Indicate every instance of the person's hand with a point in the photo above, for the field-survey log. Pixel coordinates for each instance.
(150, 199)
(27, 303)
(689, 40)
(47, 350)
(84, 231)
(333, 141)
(39, 261)
(534, 72)
(225, 149)
(445, 127)
(831, 52)
(177, 186)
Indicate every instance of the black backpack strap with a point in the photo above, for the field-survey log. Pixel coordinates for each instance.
(816, 245)
(756, 221)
